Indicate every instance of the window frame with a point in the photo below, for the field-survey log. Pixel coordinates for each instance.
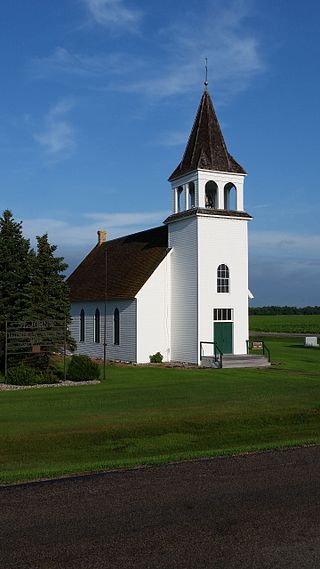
(223, 314)
(82, 327)
(223, 279)
(116, 327)
(96, 327)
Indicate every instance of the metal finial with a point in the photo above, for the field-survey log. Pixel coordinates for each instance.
(206, 80)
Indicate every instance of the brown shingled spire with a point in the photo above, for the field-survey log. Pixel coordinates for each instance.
(206, 148)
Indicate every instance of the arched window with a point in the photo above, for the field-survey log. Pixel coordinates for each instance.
(97, 326)
(211, 195)
(230, 197)
(192, 197)
(82, 325)
(179, 198)
(223, 278)
(116, 327)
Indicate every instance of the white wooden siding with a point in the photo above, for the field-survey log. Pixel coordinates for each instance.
(153, 314)
(223, 241)
(127, 349)
(184, 290)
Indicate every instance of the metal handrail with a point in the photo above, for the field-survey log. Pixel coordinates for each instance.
(265, 348)
(218, 354)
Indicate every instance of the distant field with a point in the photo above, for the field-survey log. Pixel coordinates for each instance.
(304, 324)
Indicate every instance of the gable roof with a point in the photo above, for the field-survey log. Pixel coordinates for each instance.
(206, 148)
(127, 261)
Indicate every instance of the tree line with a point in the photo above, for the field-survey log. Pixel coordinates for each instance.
(32, 282)
(276, 310)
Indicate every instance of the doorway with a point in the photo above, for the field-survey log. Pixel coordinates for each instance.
(223, 336)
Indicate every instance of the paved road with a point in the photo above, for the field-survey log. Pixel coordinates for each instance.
(256, 511)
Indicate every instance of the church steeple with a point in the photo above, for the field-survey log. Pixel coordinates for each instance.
(206, 148)
(207, 176)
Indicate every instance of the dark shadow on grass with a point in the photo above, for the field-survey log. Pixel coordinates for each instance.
(302, 347)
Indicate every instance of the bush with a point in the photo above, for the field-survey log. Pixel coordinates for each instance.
(47, 377)
(22, 375)
(82, 368)
(156, 358)
(25, 375)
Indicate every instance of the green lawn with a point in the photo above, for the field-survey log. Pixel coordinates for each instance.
(153, 415)
(293, 323)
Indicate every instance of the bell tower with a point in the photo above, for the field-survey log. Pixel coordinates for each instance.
(207, 176)
(208, 237)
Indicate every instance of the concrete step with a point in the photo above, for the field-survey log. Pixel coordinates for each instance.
(209, 361)
(236, 361)
(243, 361)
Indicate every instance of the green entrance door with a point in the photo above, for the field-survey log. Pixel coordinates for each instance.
(222, 335)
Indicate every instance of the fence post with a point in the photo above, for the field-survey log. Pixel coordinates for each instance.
(6, 349)
(64, 350)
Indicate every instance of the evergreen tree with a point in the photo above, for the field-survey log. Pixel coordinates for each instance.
(48, 294)
(15, 271)
(48, 291)
(15, 268)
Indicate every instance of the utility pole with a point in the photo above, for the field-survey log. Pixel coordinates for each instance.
(105, 316)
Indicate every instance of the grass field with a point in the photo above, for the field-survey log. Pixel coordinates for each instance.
(303, 324)
(153, 415)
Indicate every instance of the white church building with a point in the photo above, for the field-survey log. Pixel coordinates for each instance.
(180, 289)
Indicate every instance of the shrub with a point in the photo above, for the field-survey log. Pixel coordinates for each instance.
(22, 375)
(82, 368)
(47, 377)
(156, 358)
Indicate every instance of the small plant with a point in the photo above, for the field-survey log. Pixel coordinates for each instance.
(22, 375)
(82, 368)
(156, 358)
(47, 377)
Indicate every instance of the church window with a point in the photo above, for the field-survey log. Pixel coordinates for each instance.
(97, 326)
(230, 197)
(223, 278)
(211, 195)
(82, 325)
(116, 327)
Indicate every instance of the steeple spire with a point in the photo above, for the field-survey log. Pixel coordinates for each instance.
(206, 148)
(206, 79)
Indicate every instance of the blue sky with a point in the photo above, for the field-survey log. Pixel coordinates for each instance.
(98, 98)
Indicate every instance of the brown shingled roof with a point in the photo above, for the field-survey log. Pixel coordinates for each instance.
(131, 260)
(206, 148)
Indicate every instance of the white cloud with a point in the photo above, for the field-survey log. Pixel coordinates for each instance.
(218, 34)
(113, 14)
(57, 135)
(127, 219)
(176, 63)
(174, 138)
(74, 241)
(84, 234)
(284, 244)
(284, 268)
(64, 62)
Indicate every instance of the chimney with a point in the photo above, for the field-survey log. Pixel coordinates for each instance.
(102, 236)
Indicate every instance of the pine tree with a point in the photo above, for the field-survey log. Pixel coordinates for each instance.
(48, 293)
(15, 267)
(15, 271)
